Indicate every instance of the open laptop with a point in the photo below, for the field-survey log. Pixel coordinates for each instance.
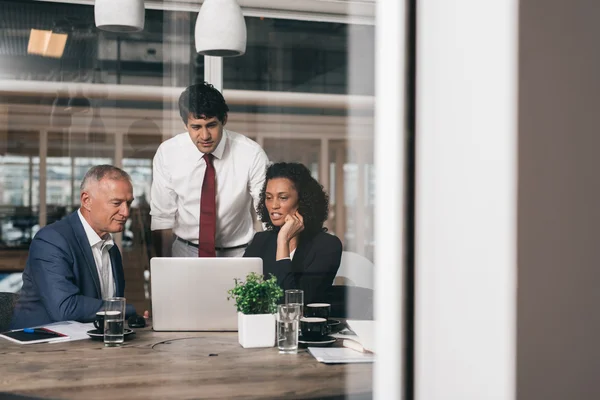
(190, 294)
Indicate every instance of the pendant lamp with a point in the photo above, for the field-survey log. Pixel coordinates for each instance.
(119, 15)
(220, 29)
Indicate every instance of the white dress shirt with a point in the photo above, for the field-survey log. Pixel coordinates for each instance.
(178, 173)
(291, 257)
(100, 248)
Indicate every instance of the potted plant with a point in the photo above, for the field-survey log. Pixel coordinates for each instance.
(256, 302)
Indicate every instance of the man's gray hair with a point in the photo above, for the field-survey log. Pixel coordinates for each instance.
(99, 172)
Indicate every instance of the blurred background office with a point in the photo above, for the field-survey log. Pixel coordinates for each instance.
(498, 112)
(73, 96)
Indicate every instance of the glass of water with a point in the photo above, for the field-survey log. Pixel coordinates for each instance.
(288, 316)
(114, 318)
(295, 296)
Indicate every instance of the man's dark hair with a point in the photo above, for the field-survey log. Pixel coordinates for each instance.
(313, 202)
(202, 100)
(99, 172)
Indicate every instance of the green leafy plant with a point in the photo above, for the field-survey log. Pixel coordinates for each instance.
(256, 295)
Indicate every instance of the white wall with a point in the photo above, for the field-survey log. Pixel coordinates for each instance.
(466, 199)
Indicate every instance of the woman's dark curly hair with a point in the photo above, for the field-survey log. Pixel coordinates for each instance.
(313, 202)
(202, 100)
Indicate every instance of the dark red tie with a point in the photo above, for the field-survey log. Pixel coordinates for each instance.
(208, 211)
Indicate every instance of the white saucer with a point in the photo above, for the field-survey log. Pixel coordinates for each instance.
(98, 335)
(326, 341)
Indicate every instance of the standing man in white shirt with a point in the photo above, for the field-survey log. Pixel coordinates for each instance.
(205, 182)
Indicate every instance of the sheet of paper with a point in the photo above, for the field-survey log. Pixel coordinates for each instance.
(365, 331)
(75, 330)
(340, 355)
(353, 344)
(360, 331)
(349, 339)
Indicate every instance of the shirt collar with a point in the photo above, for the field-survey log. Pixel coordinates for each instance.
(219, 150)
(218, 153)
(92, 236)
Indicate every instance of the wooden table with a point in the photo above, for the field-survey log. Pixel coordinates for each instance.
(182, 365)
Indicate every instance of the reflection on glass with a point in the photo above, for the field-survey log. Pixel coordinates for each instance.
(162, 50)
(131, 112)
(302, 56)
(18, 183)
(140, 143)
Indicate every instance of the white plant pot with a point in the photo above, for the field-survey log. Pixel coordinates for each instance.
(256, 330)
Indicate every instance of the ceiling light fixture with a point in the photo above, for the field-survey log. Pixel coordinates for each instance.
(119, 15)
(220, 29)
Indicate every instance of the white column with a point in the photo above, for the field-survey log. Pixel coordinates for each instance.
(118, 162)
(324, 170)
(30, 191)
(43, 211)
(389, 203)
(213, 71)
(260, 140)
(174, 25)
(340, 200)
(324, 164)
(466, 200)
(360, 207)
(73, 191)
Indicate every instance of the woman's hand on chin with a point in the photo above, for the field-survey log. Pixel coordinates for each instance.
(294, 224)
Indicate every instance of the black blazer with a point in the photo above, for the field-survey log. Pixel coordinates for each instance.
(315, 264)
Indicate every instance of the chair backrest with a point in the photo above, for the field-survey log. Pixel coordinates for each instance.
(355, 270)
(7, 306)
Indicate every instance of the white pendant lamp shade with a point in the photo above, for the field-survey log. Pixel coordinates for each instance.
(220, 29)
(119, 15)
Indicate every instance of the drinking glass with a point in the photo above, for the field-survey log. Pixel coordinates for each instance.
(295, 296)
(287, 328)
(114, 318)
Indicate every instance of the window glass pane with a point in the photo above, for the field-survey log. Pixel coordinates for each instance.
(18, 178)
(158, 54)
(333, 139)
(69, 112)
(303, 91)
(302, 56)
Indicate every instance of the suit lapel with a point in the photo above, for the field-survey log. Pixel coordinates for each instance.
(86, 249)
(300, 255)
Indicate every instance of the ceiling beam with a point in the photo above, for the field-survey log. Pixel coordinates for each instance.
(26, 118)
(40, 89)
(342, 11)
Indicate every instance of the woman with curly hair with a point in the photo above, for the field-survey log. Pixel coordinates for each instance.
(295, 247)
